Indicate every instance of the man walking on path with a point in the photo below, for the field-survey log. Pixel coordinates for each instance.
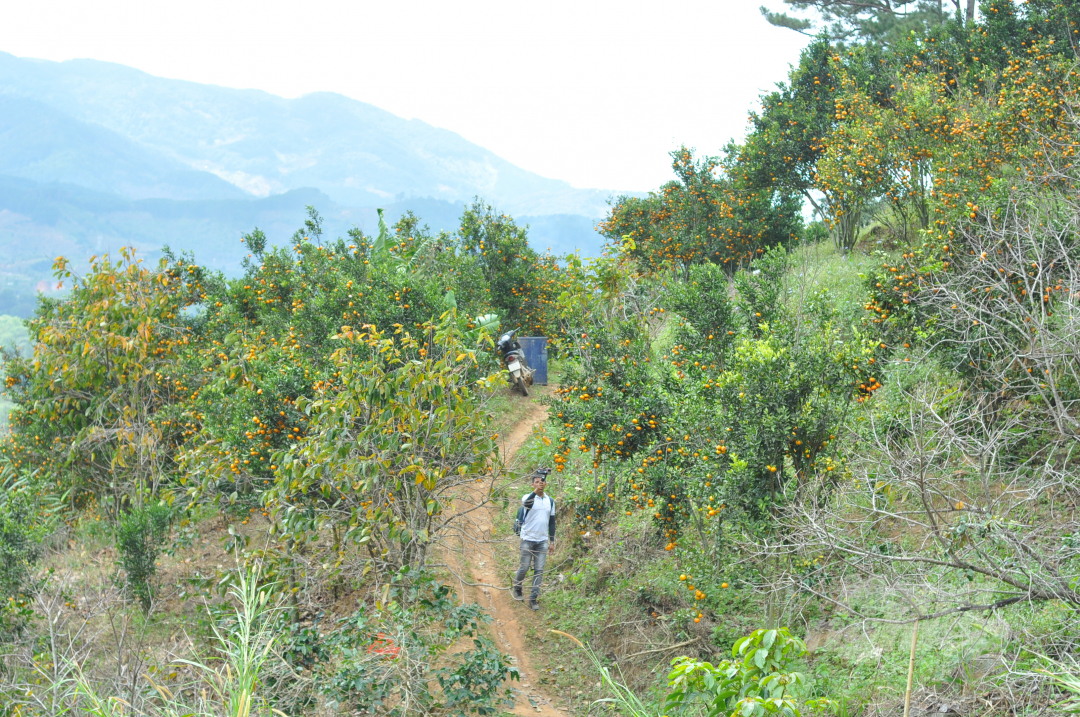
(537, 538)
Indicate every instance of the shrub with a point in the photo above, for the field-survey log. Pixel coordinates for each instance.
(139, 537)
(387, 660)
(758, 680)
(20, 548)
(815, 233)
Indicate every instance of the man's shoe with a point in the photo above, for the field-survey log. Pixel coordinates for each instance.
(533, 604)
(516, 592)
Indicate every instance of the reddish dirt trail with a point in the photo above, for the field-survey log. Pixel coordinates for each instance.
(493, 593)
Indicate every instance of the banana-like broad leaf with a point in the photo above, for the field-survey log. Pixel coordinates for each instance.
(383, 240)
(488, 322)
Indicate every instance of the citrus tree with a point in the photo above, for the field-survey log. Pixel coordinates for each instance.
(521, 285)
(269, 337)
(710, 214)
(389, 449)
(99, 407)
(709, 403)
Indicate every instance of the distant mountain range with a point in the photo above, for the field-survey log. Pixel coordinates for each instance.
(95, 156)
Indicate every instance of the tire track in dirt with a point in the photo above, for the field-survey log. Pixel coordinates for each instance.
(493, 591)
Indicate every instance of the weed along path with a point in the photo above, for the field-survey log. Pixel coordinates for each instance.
(492, 591)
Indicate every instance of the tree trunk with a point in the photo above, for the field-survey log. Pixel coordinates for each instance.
(817, 209)
(847, 230)
(970, 10)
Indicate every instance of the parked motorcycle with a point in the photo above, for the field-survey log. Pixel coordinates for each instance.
(521, 376)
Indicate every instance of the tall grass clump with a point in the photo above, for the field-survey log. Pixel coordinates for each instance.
(230, 685)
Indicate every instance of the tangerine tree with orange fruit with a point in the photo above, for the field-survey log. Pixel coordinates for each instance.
(693, 398)
(99, 410)
(708, 214)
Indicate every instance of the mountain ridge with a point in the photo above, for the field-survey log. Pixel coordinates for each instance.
(355, 152)
(40, 143)
(96, 155)
(39, 221)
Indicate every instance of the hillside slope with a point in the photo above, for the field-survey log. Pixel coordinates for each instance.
(357, 154)
(39, 221)
(95, 156)
(42, 143)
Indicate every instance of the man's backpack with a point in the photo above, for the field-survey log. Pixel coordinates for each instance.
(523, 511)
(519, 519)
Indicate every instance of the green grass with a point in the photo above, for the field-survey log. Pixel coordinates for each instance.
(821, 267)
(230, 686)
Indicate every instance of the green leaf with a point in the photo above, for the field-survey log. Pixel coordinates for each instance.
(382, 243)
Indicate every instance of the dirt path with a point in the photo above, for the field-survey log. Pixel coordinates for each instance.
(494, 593)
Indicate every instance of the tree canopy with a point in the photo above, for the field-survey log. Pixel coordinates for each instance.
(858, 21)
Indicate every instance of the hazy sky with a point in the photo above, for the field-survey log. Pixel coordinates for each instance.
(595, 93)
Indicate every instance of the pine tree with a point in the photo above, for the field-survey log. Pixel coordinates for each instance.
(873, 21)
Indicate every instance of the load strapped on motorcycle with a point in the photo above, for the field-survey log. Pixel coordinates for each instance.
(521, 376)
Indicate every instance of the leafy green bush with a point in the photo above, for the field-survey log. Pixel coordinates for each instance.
(388, 660)
(815, 233)
(21, 532)
(757, 681)
(140, 535)
(473, 686)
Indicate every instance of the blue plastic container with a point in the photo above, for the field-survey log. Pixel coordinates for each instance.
(535, 348)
